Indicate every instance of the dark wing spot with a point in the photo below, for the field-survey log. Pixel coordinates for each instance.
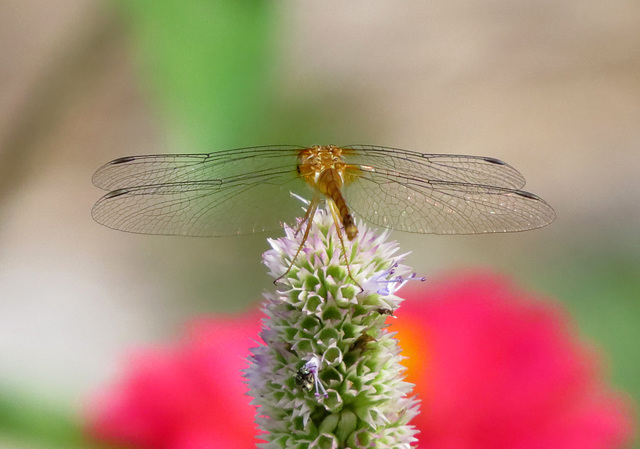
(493, 160)
(122, 160)
(116, 193)
(528, 195)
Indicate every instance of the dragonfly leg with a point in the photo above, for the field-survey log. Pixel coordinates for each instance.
(308, 215)
(308, 219)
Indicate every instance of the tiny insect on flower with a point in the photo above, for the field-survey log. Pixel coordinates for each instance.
(307, 377)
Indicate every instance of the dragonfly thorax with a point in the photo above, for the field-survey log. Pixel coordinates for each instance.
(317, 159)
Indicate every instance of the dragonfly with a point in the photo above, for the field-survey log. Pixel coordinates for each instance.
(249, 190)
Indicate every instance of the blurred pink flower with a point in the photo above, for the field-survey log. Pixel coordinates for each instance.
(185, 396)
(495, 367)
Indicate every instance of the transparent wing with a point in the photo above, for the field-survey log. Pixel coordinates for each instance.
(436, 167)
(398, 201)
(137, 171)
(247, 190)
(240, 205)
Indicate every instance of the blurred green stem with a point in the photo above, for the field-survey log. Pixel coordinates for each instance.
(208, 66)
(32, 423)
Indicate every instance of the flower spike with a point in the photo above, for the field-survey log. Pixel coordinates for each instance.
(332, 317)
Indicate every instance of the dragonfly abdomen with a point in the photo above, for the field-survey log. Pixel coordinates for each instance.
(329, 183)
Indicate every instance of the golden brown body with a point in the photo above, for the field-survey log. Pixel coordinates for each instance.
(323, 168)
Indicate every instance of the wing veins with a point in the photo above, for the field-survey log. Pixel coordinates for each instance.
(450, 165)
